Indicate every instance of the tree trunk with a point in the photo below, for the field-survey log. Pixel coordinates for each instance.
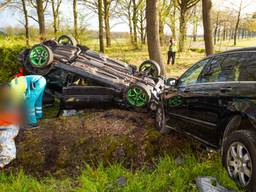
(237, 23)
(55, 22)
(183, 30)
(161, 30)
(142, 39)
(207, 6)
(75, 19)
(107, 22)
(135, 22)
(130, 20)
(173, 28)
(41, 21)
(101, 31)
(195, 24)
(154, 48)
(25, 12)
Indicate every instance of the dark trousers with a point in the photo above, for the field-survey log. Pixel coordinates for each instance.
(171, 55)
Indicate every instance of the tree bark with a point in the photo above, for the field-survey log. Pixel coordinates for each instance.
(101, 31)
(195, 24)
(25, 12)
(75, 19)
(55, 30)
(237, 23)
(55, 13)
(41, 20)
(135, 22)
(107, 22)
(161, 30)
(154, 48)
(183, 30)
(206, 7)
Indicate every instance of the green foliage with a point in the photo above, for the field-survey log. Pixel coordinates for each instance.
(9, 49)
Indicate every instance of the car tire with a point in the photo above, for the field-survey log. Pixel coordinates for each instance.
(40, 56)
(150, 68)
(67, 40)
(239, 157)
(161, 119)
(138, 95)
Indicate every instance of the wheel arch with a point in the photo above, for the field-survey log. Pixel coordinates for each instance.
(236, 121)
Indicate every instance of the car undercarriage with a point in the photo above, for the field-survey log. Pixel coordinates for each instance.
(80, 77)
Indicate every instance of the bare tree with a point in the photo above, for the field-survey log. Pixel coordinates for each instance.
(107, 4)
(75, 18)
(26, 24)
(40, 6)
(142, 22)
(101, 30)
(206, 7)
(238, 21)
(124, 10)
(164, 13)
(55, 12)
(184, 6)
(4, 4)
(154, 47)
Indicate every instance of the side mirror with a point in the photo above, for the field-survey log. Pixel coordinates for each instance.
(171, 82)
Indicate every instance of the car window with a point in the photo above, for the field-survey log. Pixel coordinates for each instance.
(230, 68)
(212, 71)
(223, 68)
(248, 68)
(191, 76)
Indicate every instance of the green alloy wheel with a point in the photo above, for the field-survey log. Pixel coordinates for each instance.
(150, 68)
(137, 96)
(40, 56)
(67, 40)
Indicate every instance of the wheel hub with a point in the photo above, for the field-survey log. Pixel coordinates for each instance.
(137, 97)
(239, 163)
(38, 56)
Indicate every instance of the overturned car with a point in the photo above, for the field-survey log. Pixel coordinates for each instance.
(80, 77)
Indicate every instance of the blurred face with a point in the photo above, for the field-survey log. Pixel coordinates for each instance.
(4, 95)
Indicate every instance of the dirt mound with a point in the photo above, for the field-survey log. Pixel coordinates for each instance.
(62, 146)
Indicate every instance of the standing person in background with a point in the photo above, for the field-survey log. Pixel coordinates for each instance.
(172, 51)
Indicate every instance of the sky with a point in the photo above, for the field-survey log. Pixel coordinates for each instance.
(11, 17)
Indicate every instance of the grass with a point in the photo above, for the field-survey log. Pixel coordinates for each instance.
(166, 176)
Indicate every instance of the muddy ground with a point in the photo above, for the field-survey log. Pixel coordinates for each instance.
(62, 146)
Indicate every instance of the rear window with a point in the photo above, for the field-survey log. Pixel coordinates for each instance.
(248, 68)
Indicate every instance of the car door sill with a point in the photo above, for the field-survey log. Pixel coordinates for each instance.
(196, 121)
(191, 135)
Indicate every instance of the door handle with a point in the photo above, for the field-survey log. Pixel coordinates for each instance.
(226, 89)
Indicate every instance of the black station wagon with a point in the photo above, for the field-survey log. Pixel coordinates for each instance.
(215, 102)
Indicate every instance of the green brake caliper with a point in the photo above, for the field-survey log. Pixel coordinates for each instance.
(39, 56)
(137, 97)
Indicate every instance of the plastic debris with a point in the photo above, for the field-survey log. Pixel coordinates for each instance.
(210, 184)
(7, 144)
(69, 113)
(121, 181)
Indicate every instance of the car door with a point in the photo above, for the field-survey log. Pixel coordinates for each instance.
(178, 98)
(216, 87)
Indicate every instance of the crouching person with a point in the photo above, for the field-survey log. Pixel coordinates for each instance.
(9, 127)
(32, 95)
